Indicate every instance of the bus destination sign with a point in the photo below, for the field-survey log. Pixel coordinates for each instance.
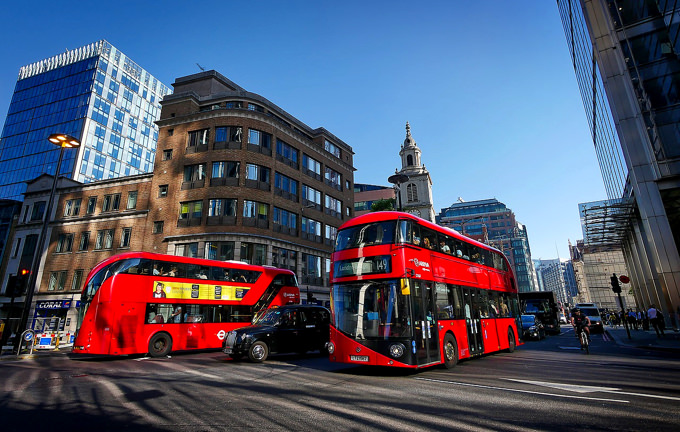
(363, 266)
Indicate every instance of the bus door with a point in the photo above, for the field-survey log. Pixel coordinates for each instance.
(473, 321)
(424, 320)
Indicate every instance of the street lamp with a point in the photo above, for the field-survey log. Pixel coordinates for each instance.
(396, 179)
(64, 142)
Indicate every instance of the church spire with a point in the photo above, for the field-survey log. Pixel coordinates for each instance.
(409, 141)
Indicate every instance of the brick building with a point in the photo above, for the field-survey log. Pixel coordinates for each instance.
(235, 178)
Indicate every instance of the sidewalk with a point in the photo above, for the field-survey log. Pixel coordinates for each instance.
(6, 353)
(645, 339)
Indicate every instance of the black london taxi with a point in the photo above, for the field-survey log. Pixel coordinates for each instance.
(285, 329)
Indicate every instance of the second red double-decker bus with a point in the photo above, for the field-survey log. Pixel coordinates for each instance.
(138, 302)
(409, 293)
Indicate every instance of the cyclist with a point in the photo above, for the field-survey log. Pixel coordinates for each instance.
(580, 322)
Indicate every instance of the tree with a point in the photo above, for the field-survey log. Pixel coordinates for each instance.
(383, 205)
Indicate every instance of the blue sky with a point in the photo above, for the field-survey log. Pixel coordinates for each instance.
(487, 87)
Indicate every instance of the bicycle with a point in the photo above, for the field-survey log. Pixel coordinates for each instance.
(583, 338)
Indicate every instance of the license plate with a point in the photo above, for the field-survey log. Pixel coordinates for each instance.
(228, 350)
(359, 358)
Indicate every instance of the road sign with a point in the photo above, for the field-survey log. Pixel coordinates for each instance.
(624, 279)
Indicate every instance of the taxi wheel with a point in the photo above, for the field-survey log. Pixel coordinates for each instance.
(258, 352)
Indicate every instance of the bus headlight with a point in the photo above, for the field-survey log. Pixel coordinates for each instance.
(330, 347)
(397, 350)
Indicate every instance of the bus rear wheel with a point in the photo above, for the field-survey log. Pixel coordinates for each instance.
(450, 352)
(258, 352)
(511, 341)
(160, 345)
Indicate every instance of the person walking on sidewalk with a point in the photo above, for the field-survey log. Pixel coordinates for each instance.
(654, 317)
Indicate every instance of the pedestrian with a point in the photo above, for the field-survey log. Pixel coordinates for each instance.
(632, 319)
(654, 316)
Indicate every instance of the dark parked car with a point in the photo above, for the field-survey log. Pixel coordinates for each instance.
(285, 329)
(532, 328)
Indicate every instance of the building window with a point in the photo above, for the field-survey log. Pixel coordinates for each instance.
(253, 253)
(254, 209)
(17, 248)
(284, 258)
(167, 154)
(311, 226)
(332, 149)
(111, 202)
(199, 137)
(311, 268)
(220, 251)
(411, 193)
(194, 173)
(76, 285)
(259, 138)
(187, 250)
(286, 184)
(72, 207)
(104, 239)
(64, 243)
(254, 107)
(222, 207)
(333, 178)
(162, 191)
(312, 165)
(257, 172)
(84, 241)
(132, 200)
(57, 281)
(228, 133)
(287, 153)
(311, 195)
(191, 209)
(158, 227)
(331, 233)
(125, 237)
(285, 218)
(38, 210)
(225, 169)
(91, 205)
(333, 205)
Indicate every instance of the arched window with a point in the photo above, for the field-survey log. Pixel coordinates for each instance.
(409, 160)
(411, 193)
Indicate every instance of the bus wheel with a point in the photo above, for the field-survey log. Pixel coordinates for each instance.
(450, 352)
(160, 345)
(511, 341)
(258, 352)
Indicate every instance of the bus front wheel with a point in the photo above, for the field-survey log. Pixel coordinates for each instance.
(160, 345)
(450, 352)
(258, 352)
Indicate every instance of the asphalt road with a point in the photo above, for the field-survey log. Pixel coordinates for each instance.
(547, 385)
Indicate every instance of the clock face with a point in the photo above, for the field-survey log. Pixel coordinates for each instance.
(414, 212)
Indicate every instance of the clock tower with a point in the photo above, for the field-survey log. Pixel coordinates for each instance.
(416, 192)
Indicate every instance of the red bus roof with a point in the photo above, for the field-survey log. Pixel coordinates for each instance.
(382, 216)
(182, 259)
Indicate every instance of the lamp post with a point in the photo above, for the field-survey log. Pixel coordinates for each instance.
(63, 141)
(396, 179)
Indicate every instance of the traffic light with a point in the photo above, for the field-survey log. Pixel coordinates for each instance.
(19, 283)
(616, 286)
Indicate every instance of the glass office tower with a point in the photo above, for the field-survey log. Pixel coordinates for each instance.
(94, 93)
(626, 56)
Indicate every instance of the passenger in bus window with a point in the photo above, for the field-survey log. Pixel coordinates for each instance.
(444, 247)
(173, 271)
(156, 272)
(176, 316)
(426, 243)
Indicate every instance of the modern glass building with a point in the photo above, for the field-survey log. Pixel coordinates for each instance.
(626, 55)
(94, 93)
(492, 222)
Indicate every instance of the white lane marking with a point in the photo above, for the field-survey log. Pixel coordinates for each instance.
(524, 391)
(592, 389)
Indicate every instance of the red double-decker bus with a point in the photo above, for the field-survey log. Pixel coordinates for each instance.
(409, 293)
(138, 302)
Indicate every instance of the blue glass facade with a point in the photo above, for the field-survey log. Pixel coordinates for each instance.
(94, 93)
